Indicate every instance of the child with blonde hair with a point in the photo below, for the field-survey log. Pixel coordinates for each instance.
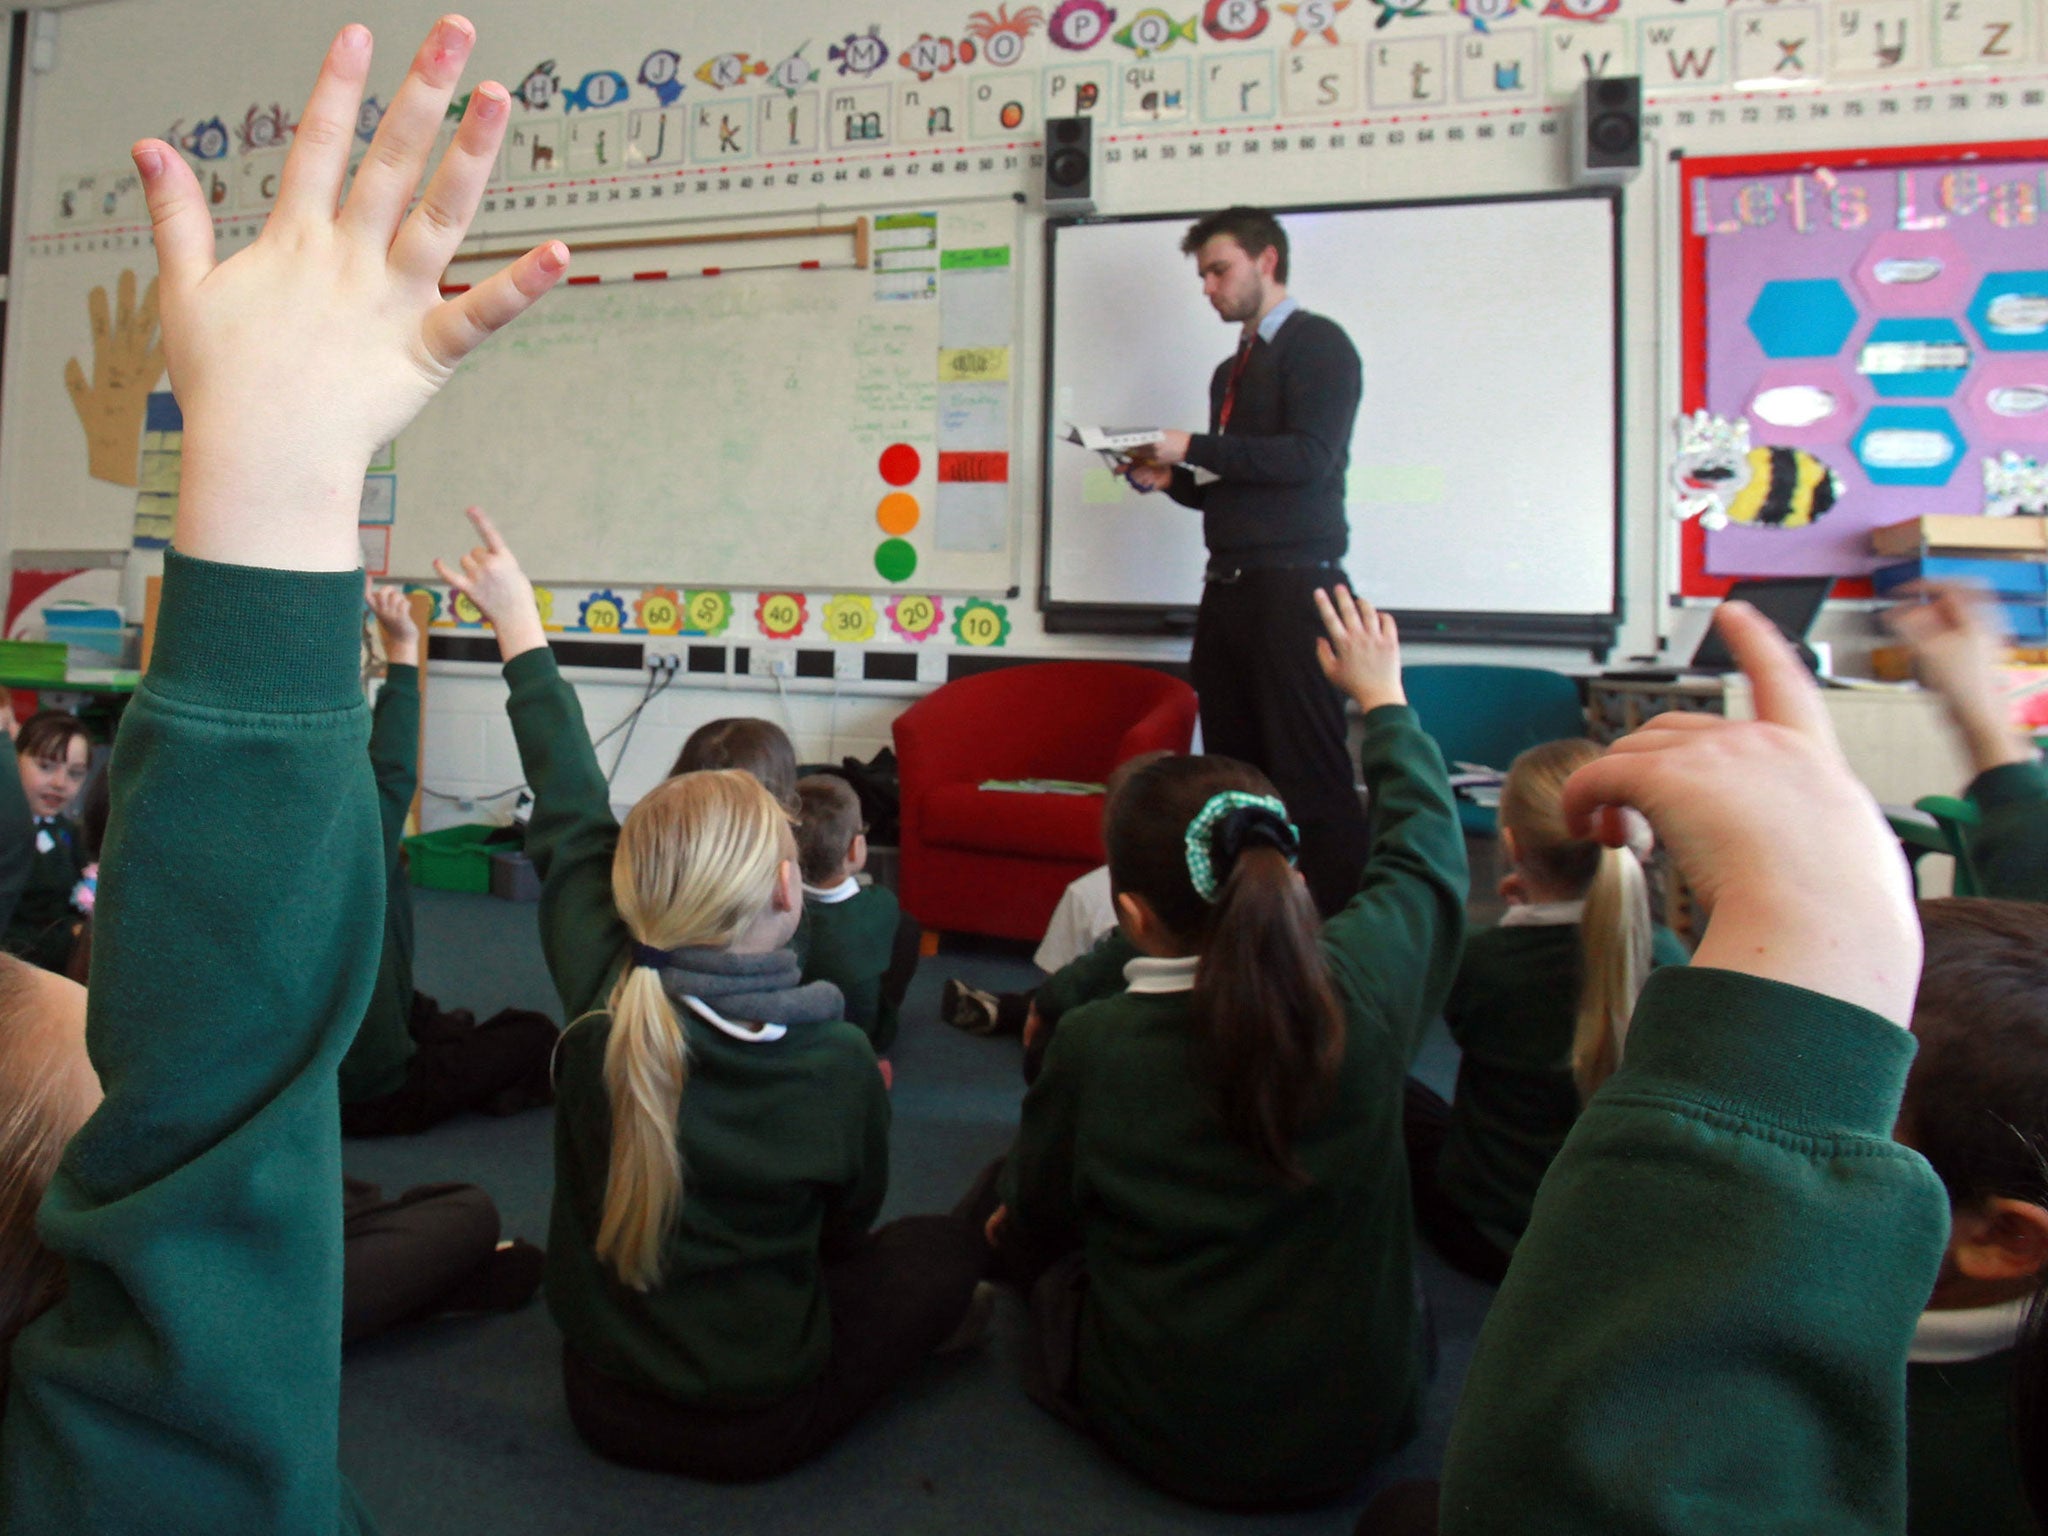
(721, 1132)
(1540, 1013)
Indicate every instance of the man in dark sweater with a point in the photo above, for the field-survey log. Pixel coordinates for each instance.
(1268, 479)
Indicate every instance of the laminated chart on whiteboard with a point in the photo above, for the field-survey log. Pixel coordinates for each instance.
(743, 430)
(1877, 316)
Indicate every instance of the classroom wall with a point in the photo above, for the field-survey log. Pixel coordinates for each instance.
(1495, 75)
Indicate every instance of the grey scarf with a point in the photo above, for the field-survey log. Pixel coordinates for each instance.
(761, 988)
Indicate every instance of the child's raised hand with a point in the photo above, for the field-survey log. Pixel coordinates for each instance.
(298, 355)
(1771, 829)
(393, 609)
(491, 578)
(1362, 655)
(1958, 645)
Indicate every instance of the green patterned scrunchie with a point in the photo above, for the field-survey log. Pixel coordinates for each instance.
(1228, 823)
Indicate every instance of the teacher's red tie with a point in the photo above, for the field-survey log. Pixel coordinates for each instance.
(1244, 354)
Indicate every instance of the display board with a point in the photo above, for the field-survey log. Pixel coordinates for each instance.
(1485, 507)
(1866, 332)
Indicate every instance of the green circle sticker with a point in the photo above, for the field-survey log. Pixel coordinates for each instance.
(896, 560)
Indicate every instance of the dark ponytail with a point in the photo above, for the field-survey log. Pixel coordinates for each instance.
(1268, 1031)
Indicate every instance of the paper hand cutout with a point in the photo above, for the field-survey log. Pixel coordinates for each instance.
(127, 360)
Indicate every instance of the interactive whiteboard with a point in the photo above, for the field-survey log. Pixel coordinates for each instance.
(1484, 484)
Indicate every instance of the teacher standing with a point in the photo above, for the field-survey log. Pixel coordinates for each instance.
(1272, 505)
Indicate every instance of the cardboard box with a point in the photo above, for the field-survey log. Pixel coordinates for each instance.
(2019, 535)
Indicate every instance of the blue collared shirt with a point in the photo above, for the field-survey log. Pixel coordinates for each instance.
(1277, 317)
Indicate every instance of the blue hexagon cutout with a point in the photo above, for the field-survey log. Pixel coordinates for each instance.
(1909, 358)
(1909, 445)
(1806, 317)
(2010, 311)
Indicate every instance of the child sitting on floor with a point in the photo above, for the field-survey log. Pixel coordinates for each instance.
(759, 747)
(1539, 1011)
(414, 1065)
(1219, 1146)
(858, 938)
(1976, 1108)
(54, 753)
(735, 1325)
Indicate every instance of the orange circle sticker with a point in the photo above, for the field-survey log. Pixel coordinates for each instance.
(898, 513)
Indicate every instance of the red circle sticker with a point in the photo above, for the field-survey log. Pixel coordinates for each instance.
(900, 464)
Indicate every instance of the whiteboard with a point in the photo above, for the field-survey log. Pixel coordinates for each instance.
(720, 431)
(1483, 486)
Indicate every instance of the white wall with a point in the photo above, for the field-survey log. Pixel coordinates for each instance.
(167, 59)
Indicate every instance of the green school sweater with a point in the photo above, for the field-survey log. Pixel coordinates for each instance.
(1705, 1327)
(1245, 1341)
(190, 1381)
(2010, 845)
(1513, 1010)
(785, 1143)
(851, 943)
(17, 843)
(1961, 1479)
(1098, 973)
(376, 1063)
(41, 929)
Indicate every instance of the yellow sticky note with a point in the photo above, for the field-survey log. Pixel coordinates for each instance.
(1102, 487)
(974, 365)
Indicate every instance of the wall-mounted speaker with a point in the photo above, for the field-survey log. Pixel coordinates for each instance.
(1607, 138)
(1069, 165)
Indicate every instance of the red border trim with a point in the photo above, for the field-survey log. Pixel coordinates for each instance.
(1693, 578)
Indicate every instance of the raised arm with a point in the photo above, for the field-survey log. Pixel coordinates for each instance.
(189, 1379)
(395, 723)
(1957, 647)
(1396, 946)
(1705, 1326)
(572, 834)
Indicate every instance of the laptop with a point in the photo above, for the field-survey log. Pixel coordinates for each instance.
(1790, 602)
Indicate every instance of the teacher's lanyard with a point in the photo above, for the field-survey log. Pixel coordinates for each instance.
(1244, 355)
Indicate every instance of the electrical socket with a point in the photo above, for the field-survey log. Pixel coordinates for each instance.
(662, 660)
(771, 661)
(849, 663)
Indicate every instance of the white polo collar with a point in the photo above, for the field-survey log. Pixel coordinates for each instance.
(1967, 1333)
(832, 895)
(1150, 976)
(1544, 914)
(764, 1034)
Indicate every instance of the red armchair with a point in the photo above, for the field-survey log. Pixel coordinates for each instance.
(993, 861)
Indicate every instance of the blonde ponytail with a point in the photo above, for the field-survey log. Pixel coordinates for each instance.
(696, 863)
(1614, 948)
(1614, 930)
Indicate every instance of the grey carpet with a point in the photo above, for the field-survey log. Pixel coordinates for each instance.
(457, 1426)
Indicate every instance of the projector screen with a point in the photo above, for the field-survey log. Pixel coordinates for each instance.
(1484, 485)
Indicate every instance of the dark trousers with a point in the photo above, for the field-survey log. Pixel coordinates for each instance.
(401, 1257)
(1425, 1123)
(1265, 701)
(500, 1066)
(895, 1298)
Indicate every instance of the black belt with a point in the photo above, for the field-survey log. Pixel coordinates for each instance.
(1225, 575)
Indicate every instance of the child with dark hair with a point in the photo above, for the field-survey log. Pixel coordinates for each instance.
(1220, 1146)
(1976, 1107)
(857, 937)
(54, 752)
(759, 747)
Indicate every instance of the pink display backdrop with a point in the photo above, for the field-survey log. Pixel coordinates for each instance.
(1787, 220)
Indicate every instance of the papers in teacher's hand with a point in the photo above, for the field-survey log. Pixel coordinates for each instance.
(1117, 440)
